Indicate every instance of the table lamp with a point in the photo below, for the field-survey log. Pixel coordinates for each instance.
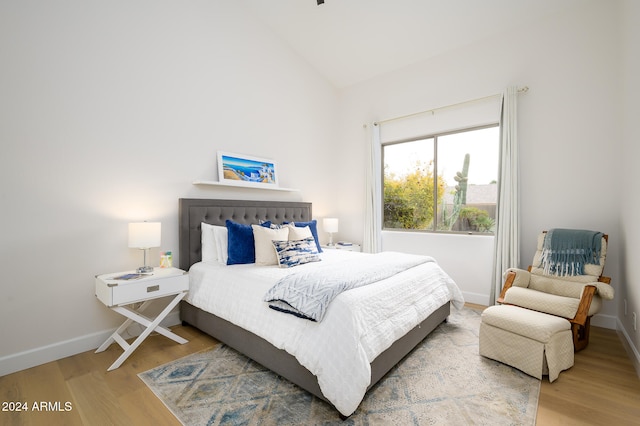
(143, 236)
(330, 225)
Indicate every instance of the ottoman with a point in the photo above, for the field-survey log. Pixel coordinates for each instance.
(533, 342)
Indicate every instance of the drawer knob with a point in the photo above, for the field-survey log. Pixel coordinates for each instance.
(153, 288)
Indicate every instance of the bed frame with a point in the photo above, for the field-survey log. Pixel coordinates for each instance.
(192, 213)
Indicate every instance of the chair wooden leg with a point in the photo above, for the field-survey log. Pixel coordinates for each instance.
(581, 335)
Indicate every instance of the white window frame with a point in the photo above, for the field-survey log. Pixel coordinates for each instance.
(435, 137)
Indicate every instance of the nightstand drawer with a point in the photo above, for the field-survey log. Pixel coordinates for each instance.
(120, 292)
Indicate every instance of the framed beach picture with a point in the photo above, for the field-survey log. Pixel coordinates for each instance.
(244, 170)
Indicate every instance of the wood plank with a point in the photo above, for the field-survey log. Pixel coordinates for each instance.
(47, 398)
(97, 404)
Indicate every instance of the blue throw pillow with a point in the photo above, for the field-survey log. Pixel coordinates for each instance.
(241, 244)
(312, 224)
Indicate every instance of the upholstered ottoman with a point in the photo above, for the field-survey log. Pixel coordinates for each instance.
(533, 342)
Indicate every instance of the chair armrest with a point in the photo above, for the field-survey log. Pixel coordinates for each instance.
(602, 288)
(522, 277)
(585, 303)
(514, 277)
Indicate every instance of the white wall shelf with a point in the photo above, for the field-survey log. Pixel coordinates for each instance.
(214, 183)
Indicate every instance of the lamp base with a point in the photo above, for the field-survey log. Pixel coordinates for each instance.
(144, 269)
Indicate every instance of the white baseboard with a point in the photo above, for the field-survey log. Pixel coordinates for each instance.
(634, 355)
(477, 298)
(55, 351)
(604, 321)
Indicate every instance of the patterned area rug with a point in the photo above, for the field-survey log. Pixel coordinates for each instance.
(442, 382)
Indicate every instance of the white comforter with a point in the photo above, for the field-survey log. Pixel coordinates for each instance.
(359, 324)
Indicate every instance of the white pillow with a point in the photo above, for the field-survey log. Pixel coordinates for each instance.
(263, 237)
(222, 243)
(298, 233)
(208, 240)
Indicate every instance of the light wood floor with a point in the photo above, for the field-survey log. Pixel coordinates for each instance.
(602, 388)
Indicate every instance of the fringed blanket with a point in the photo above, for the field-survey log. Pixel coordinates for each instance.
(566, 251)
(307, 294)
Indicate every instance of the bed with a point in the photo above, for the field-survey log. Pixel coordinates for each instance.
(266, 350)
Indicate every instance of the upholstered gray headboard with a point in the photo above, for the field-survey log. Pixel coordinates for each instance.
(193, 211)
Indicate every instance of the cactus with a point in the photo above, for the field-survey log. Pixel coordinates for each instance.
(463, 178)
(460, 198)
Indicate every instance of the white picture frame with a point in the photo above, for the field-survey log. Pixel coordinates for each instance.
(246, 170)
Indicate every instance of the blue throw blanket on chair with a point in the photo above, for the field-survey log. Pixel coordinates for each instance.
(566, 251)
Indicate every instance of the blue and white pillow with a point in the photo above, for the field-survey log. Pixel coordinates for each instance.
(298, 252)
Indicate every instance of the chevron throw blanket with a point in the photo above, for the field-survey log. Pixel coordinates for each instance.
(307, 294)
(566, 251)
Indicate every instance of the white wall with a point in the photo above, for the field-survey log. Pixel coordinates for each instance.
(108, 111)
(629, 184)
(568, 130)
(463, 257)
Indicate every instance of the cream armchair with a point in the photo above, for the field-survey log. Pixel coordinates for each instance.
(576, 297)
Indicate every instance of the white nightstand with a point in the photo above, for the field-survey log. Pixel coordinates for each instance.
(117, 293)
(352, 247)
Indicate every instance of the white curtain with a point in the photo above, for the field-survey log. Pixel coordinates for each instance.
(507, 237)
(373, 192)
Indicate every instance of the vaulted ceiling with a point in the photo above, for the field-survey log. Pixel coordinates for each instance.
(350, 41)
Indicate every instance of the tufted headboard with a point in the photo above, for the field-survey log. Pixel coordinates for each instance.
(193, 211)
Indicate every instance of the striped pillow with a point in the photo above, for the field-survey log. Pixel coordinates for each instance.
(294, 253)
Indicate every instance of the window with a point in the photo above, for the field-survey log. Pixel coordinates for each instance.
(443, 183)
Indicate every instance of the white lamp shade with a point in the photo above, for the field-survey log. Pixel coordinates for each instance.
(144, 234)
(330, 224)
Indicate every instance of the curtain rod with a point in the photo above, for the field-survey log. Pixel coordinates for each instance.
(433, 110)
